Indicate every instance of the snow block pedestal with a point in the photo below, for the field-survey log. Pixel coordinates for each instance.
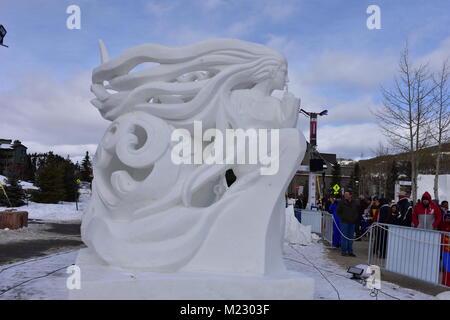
(101, 281)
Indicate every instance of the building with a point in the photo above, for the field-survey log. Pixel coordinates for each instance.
(325, 177)
(13, 157)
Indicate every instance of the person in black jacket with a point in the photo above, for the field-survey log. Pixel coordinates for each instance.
(405, 210)
(380, 232)
(299, 203)
(394, 217)
(348, 212)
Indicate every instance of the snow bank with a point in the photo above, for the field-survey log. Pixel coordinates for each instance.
(63, 211)
(295, 232)
(24, 184)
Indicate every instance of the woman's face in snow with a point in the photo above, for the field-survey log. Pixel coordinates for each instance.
(280, 78)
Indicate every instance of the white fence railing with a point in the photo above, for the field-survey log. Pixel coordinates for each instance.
(312, 218)
(327, 227)
(417, 253)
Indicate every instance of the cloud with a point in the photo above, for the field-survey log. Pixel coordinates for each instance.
(351, 111)
(282, 43)
(348, 141)
(278, 11)
(187, 35)
(212, 4)
(241, 28)
(435, 58)
(159, 9)
(350, 69)
(49, 114)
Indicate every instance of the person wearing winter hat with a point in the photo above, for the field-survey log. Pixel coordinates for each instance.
(427, 214)
(374, 209)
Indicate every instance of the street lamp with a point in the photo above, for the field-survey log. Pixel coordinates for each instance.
(313, 124)
(314, 164)
(2, 35)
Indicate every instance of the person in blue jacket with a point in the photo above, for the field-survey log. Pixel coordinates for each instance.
(336, 234)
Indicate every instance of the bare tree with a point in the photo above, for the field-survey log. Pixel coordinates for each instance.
(406, 112)
(380, 151)
(440, 127)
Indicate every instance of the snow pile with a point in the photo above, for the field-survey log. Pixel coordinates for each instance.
(63, 211)
(295, 232)
(443, 295)
(345, 162)
(24, 184)
(291, 201)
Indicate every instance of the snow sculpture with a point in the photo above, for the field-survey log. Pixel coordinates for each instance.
(149, 214)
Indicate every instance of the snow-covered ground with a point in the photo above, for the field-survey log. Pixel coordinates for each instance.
(334, 283)
(64, 211)
(45, 278)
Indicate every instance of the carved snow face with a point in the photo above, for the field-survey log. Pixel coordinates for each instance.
(280, 79)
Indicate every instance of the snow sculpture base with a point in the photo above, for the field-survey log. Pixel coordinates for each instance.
(101, 281)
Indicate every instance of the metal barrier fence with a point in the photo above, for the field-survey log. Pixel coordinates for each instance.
(327, 227)
(417, 253)
(312, 218)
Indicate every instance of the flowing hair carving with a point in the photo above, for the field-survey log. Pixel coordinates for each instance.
(228, 64)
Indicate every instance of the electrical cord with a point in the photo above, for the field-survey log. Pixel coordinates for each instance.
(337, 274)
(323, 276)
(37, 259)
(35, 278)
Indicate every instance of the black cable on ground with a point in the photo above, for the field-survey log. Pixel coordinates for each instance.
(37, 259)
(337, 274)
(35, 278)
(323, 276)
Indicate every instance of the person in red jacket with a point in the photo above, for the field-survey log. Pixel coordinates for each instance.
(427, 214)
(445, 226)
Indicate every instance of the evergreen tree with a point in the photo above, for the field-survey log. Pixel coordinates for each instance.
(86, 168)
(16, 195)
(56, 178)
(70, 183)
(336, 179)
(50, 180)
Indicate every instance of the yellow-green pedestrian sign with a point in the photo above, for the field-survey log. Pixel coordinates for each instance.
(78, 180)
(336, 188)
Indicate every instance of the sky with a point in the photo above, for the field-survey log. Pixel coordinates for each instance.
(335, 61)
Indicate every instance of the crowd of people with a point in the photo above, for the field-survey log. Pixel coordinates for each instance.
(353, 217)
